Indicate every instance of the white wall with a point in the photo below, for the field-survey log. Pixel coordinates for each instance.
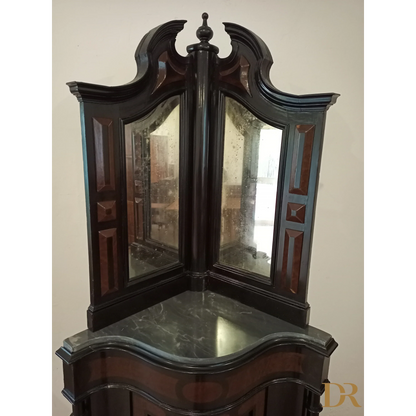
(317, 46)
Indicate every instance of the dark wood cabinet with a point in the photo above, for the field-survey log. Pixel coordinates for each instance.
(198, 352)
(202, 397)
(201, 186)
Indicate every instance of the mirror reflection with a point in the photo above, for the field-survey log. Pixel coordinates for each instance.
(152, 170)
(249, 189)
(230, 337)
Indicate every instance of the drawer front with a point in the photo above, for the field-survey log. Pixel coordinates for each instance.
(254, 406)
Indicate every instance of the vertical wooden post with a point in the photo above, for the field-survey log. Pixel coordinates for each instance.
(203, 54)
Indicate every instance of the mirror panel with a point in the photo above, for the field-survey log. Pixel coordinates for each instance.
(152, 178)
(249, 190)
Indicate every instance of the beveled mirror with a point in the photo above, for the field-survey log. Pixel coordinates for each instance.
(249, 190)
(152, 180)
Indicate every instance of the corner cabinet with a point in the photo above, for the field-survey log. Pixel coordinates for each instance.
(201, 185)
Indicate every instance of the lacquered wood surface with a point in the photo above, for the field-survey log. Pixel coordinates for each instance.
(202, 80)
(213, 391)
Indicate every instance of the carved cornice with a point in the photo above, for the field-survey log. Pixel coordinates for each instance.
(242, 38)
(161, 38)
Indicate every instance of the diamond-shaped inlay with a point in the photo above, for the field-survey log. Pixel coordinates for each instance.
(295, 212)
(106, 211)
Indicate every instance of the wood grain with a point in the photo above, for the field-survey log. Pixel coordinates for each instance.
(104, 154)
(108, 261)
(302, 157)
(292, 255)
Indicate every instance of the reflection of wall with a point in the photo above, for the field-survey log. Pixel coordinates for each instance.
(129, 182)
(233, 154)
(170, 129)
(232, 181)
(159, 157)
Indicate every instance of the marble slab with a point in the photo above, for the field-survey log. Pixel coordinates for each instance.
(202, 327)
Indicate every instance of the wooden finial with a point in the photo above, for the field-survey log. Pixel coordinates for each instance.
(204, 32)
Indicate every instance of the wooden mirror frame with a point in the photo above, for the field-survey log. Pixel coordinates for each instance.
(202, 80)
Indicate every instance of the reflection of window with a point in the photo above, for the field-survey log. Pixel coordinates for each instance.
(268, 170)
(230, 338)
(250, 174)
(152, 170)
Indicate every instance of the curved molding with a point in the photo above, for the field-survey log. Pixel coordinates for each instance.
(198, 365)
(177, 410)
(208, 389)
(242, 38)
(161, 38)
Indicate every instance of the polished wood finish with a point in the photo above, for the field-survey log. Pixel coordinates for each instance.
(202, 81)
(256, 379)
(104, 154)
(104, 113)
(295, 212)
(106, 211)
(292, 255)
(203, 55)
(302, 158)
(281, 376)
(168, 71)
(238, 74)
(287, 399)
(108, 261)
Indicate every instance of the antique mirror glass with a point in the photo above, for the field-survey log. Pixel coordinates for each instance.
(152, 170)
(249, 189)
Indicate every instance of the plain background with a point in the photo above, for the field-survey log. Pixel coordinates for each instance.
(317, 46)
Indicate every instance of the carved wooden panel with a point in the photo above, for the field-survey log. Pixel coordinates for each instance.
(295, 212)
(292, 254)
(108, 261)
(302, 157)
(168, 71)
(237, 75)
(104, 154)
(106, 211)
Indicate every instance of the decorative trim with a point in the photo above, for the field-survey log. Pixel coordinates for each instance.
(302, 158)
(269, 302)
(108, 261)
(163, 34)
(104, 154)
(241, 36)
(168, 72)
(204, 34)
(296, 212)
(106, 211)
(292, 255)
(237, 75)
(177, 410)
